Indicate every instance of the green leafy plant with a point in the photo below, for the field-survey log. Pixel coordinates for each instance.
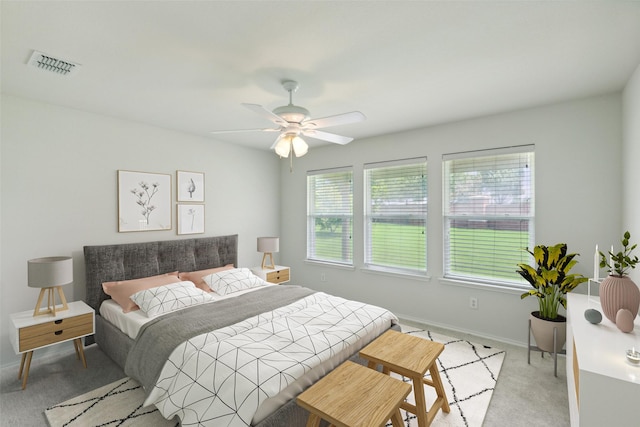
(550, 277)
(621, 262)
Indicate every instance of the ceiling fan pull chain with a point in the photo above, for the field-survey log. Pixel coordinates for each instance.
(291, 161)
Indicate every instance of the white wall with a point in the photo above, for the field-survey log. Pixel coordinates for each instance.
(578, 201)
(59, 192)
(630, 161)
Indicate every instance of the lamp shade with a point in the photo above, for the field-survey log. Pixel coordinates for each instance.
(50, 271)
(288, 142)
(300, 147)
(268, 244)
(283, 146)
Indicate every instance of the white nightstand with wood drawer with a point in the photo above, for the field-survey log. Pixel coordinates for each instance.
(32, 333)
(278, 274)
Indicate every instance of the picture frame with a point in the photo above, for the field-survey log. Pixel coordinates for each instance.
(190, 218)
(190, 186)
(144, 201)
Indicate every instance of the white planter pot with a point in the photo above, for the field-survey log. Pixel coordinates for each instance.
(543, 332)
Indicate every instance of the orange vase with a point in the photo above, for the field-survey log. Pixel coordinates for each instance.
(619, 292)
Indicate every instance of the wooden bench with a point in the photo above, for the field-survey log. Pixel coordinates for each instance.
(354, 396)
(411, 357)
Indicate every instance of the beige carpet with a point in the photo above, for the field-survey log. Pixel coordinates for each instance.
(469, 373)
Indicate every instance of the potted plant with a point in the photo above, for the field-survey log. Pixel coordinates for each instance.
(551, 281)
(619, 295)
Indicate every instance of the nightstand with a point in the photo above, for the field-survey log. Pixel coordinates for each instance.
(32, 333)
(278, 274)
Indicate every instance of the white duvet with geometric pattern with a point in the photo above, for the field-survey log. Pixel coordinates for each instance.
(220, 378)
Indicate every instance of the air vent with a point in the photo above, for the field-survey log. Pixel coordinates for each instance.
(55, 65)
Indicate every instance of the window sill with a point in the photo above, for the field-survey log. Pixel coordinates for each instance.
(503, 288)
(411, 276)
(329, 264)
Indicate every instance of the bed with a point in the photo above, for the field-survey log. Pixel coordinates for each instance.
(237, 315)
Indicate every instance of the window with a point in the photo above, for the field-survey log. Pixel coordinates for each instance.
(488, 213)
(330, 216)
(396, 215)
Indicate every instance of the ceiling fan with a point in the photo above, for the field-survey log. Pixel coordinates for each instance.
(293, 122)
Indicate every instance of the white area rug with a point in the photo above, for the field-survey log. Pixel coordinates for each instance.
(468, 371)
(116, 404)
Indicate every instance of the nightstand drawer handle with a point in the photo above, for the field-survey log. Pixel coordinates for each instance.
(57, 322)
(58, 332)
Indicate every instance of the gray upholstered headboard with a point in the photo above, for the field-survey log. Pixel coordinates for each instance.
(126, 261)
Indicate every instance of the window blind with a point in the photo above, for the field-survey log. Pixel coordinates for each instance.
(396, 215)
(488, 213)
(330, 216)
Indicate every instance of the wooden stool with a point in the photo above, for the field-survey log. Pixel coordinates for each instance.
(353, 396)
(411, 357)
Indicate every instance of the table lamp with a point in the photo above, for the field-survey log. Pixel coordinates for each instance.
(50, 274)
(268, 245)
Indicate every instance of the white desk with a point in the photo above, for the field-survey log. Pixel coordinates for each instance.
(604, 388)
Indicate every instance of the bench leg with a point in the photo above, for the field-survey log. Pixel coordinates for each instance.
(396, 419)
(421, 401)
(435, 376)
(313, 421)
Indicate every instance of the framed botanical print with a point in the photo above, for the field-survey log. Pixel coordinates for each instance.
(190, 186)
(190, 219)
(144, 201)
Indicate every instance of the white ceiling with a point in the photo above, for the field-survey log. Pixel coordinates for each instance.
(188, 65)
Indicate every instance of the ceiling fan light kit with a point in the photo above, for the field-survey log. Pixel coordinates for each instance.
(291, 142)
(293, 122)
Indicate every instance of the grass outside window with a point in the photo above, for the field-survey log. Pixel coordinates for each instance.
(468, 261)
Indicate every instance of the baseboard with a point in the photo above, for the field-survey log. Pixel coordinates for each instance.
(42, 355)
(426, 323)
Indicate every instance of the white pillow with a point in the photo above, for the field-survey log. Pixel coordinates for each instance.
(167, 298)
(234, 280)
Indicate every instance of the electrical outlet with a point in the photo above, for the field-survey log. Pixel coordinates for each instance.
(473, 303)
(323, 278)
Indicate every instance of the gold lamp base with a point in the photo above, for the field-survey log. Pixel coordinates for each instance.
(51, 301)
(264, 261)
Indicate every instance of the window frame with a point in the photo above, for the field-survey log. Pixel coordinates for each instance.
(417, 211)
(342, 213)
(526, 215)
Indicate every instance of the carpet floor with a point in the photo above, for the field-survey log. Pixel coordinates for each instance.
(522, 388)
(469, 373)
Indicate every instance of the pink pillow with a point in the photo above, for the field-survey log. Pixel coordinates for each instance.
(197, 276)
(122, 290)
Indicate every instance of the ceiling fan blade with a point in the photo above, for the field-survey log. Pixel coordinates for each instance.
(266, 114)
(326, 136)
(245, 130)
(339, 119)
